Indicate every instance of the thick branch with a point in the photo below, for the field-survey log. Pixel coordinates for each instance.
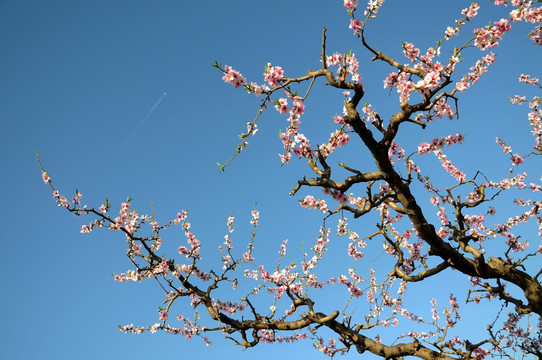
(497, 269)
(420, 276)
(363, 344)
(342, 186)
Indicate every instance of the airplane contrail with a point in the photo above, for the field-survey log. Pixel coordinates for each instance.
(142, 122)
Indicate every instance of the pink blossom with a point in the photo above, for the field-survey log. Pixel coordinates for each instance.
(351, 4)
(282, 105)
(299, 108)
(427, 59)
(405, 88)
(255, 217)
(285, 158)
(502, 26)
(410, 51)
(429, 82)
(527, 79)
(334, 60)
(311, 203)
(451, 65)
(339, 196)
(45, 177)
(507, 149)
(489, 37)
(62, 201)
(517, 159)
(517, 100)
(77, 198)
(372, 8)
(536, 35)
(441, 109)
(258, 90)
(163, 315)
(450, 32)
(471, 11)
(391, 80)
(233, 77)
(480, 353)
(353, 63)
(462, 85)
(355, 24)
(273, 74)
(125, 207)
(302, 147)
(437, 144)
(338, 119)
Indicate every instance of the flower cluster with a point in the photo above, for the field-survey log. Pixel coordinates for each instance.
(255, 217)
(527, 79)
(517, 99)
(477, 70)
(372, 8)
(489, 36)
(195, 245)
(273, 74)
(433, 71)
(536, 34)
(269, 336)
(351, 4)
(449, 167)
(526, 12)
(292, 140)
(355, 24)
(437, 144)
(310, 202)
(516, 159)
(450, 31)
(351, 65)
(404, 85)
(355, 243)
(471, 11)
(441, 109)
(410, 51)
(336, 139)
(233, 77)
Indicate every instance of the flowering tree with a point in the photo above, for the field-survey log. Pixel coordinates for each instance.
(427, 229)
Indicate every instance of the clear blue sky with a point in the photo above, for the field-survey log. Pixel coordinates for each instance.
(77, 79)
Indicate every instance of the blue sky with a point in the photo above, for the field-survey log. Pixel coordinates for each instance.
(83, 83)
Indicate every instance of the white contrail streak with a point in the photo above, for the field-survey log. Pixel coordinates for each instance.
(142, 122)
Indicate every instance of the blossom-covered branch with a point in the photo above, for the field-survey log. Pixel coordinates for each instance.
(426, 222)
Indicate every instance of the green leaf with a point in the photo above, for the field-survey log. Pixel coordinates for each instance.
(217, 65)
